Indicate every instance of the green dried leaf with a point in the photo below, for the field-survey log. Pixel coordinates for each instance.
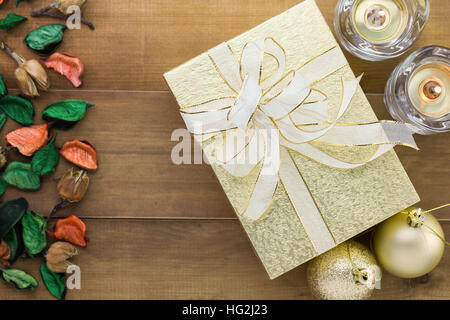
(54, 282)
(15, 242)
(18, 108)
(11, 21)
(65, 114)
(2, 119)
(20, 175)
(3, 186)
(3, 89)
(10, 213)
(33, 232)
(19, 279)
(19, 1)
(46, 159)
(44, 40)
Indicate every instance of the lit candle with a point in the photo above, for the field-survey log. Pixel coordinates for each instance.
(379, 20)
(418, 90)
(427, 89)
(379, 29)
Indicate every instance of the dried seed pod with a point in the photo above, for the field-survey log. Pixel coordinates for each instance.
(28, 140)
(64, 5)
(25, 83)
(37, 72)
(30, 75)
(80, 153)
(70, 229)
(66, 64)
(58, 254)
(73, 185)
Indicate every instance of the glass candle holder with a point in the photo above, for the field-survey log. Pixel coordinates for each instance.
(379, 29)
(417, 91)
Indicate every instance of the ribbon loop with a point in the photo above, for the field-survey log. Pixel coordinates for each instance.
(282, 111)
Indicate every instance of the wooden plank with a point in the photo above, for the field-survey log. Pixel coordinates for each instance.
(133, 45)
(136, 178)
(195, 260)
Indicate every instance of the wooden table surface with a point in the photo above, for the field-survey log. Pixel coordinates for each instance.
(161, 231)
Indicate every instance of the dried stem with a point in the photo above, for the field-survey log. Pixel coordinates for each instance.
(41, 11)
(60, 16)
(64, 203)
(18, 58)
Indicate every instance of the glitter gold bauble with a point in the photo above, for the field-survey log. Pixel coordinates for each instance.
(408, 248)
(331, 276)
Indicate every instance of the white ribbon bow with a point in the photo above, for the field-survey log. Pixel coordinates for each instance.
(279, 110)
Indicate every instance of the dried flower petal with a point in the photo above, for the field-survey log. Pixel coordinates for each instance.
(3, 89)
(81, 153)
(11, 20)
(73, 185)
(53, 281)
(20, 175)
(28, 140)
(10, 213)
(25, 83)
(68, 65)
(19, 279)
(46, 159)
(58, 254)
(67, 113)
(70, 229)
(38, 73)
(45, 39)
(34, 236)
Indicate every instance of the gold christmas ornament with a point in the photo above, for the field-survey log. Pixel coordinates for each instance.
(409, 244)
(349, 271)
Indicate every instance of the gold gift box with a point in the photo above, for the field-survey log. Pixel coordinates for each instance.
(350, 201)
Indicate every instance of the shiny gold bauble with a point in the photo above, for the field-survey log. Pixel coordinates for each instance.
(408, 250)
(331, 276)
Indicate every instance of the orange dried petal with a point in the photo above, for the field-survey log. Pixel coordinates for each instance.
(28, 140)
(66, 64)
(71, 229)
(80, 153)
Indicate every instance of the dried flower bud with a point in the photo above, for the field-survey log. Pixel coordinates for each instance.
(64, 5)
(29, 73)
(58, 254)
(73, 185)
(25, 82)
(38, 73)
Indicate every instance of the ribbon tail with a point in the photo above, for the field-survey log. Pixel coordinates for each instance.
(267, 182)
(241, 153)
(208, 117)
(383, 132)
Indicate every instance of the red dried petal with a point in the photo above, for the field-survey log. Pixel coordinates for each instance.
(80, 153)
(28, 140)
(66, 64)
(72, 230)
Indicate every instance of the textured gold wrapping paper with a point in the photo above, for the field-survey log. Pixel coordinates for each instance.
(350, 200)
